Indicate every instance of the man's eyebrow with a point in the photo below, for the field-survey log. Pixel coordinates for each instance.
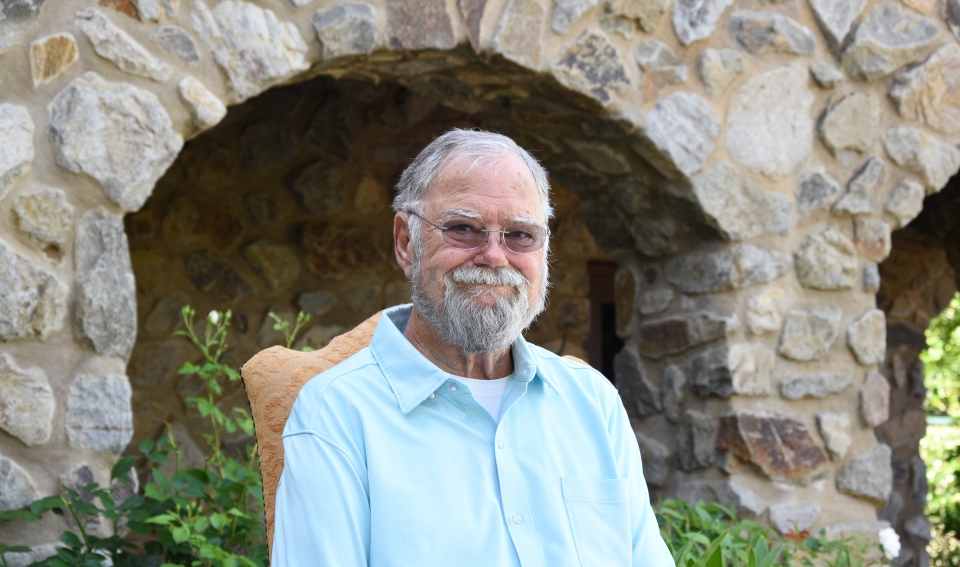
(525, 220)
(467, 214)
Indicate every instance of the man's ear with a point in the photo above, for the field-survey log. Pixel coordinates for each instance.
(402, 244)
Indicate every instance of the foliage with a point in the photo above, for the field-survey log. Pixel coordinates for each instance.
(941, 362)
(282, 325)
(940, 449)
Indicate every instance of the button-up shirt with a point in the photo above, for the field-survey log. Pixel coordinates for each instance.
(389, 461)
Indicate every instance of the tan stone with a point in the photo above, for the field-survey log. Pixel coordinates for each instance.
(369, 197)
(867, 337)
(875, 399)
(930, 91)
(51, 55)
(851, 122)
(872, 238)
(205, 108)
(518, 33)
(45, 218)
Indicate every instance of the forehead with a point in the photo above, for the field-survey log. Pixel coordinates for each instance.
(500, 186)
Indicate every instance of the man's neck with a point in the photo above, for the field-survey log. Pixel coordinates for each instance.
(449, 358)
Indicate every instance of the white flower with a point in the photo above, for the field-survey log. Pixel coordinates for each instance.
(889, 542)
(213, 317)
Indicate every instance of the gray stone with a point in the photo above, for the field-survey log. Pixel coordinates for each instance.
(917, 526)
(835, 429)
(787, 518)
(905, 201)
(600, 157)
(871, 278)
(769, 128)
(106, 300)
(928, 92)
(696, 19)
(268, 207)
(655, 301)
(96, 125)
(318, 337)
(167, 313)
(891, 510)
(44, 217)
(798, 386)
(770, 32)
(816, 189)
(654, 237)
(671, 388)
(765, 312)
(366, 297)
(277, 264)
(655, 57)
(320, 187)
(670, 335)
(735, 267)
(419, 24)
(918, 480)
(868, 476)
(266, 145)
(254, 49)
(825, 74)
(681, 132)
(888, 38)
(566, 12)
(153, 362)
(646, 13)
(741, 369)
(950, 10)
(867, 337)
(934, 161)
(316, 303)
(16, 138)
(16, 19)
(26, 402)
(862, 189)
(634, 383)
(349, 28)
(826, 260)
(36, 554)
(851, 122)
(33, 303)
(176, 41)
(696, 441)
(809, 333)
(206, 109)
(875, 399)
(718, 68)
(872, 238)
(113, 44)
(836, 17)
(98, 413)
(17, 487)
(656, 460)
(519, 32)
(592, 65)
(77, 478)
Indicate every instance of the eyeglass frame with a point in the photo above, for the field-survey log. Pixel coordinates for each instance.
(501, 232)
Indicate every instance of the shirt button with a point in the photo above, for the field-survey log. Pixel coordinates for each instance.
(517, 518)
(432, 396)
(500, 444)
(453, 388)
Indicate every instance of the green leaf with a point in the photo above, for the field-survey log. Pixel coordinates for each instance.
(71, 540)
(180, 534)
(713, 556)
(153, 492)
(122, 467)
(162, 519)
(146, 445)
(48, 503)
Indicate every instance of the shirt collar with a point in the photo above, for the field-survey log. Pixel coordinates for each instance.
(412, 376)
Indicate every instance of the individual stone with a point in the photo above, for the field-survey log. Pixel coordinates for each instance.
(566, 12)
(94, 123)
(655, 458)
(670, 335)
(764, 312)
(106, 302)
(761, 32)
(113, 44)
(629, 374)
(77, 478)
(718, 68)
(51, 55)
(871, 278)
(671, 388)
(769, 128)
(788, 518)
(655, 301)
(826, 261)
(872, 238)
(809, 333)
(254, 49)
(868, 476)
(206, 109)
(660, 66)
(214, 277)
(316, 303)
(742, 369)
(696, 19)
(816, 189)
(600, 157)
(654, 237)
(681, 132)
(318, 337)
(798, 386)
(918, 479)
(16, 139)
(835, 429)
(336, 249)
(836, 17)
(934, 161)
(349, 28)
(266, 145)
(167, 313)
(928, 92)
(875, 399)
(735, 267)
(44, 217)
(16, 18)
(851, 122)
(176, 41)
(267, 207)
(646, 14)
(33, 302)
(26, 402)
(888, 38)
(891, 510)
(277, 264)
(867, 337)
(419, 24)
(905, 201)
(519, 31)
(330, 128)
(780, 447)
(825, 74)
(37, 553)
(17, 487)
(592, 65)
(918, 526)
(950, 11)
(862, 189)
(695, 441)
(99, 417)
(320, 186)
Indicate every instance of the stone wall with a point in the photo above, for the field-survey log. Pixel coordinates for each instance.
(743, 162)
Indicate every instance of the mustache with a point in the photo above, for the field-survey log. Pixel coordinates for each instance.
(489, 276)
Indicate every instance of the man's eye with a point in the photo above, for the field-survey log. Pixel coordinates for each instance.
(461, 228)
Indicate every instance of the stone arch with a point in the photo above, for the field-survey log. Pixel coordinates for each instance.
(743, 257)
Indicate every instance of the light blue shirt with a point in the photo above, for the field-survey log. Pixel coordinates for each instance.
(389, 461)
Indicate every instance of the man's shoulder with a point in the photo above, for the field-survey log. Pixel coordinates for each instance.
(335, 387)
(564, 372)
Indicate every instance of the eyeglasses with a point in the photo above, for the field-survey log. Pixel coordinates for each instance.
(467, 234)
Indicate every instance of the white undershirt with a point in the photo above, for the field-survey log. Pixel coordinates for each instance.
(488, 393)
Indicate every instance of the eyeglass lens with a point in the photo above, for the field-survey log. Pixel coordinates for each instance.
(467, 234)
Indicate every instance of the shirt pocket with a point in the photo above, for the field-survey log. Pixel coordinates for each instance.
(599, 514)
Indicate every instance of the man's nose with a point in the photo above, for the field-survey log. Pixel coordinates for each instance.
(492, 251)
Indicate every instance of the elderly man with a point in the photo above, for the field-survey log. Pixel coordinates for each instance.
(451, 441)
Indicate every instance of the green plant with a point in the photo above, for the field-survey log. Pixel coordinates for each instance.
(282, 325)
(940, 449)
(941, 361)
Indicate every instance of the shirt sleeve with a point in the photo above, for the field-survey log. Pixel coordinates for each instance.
(323, 511)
